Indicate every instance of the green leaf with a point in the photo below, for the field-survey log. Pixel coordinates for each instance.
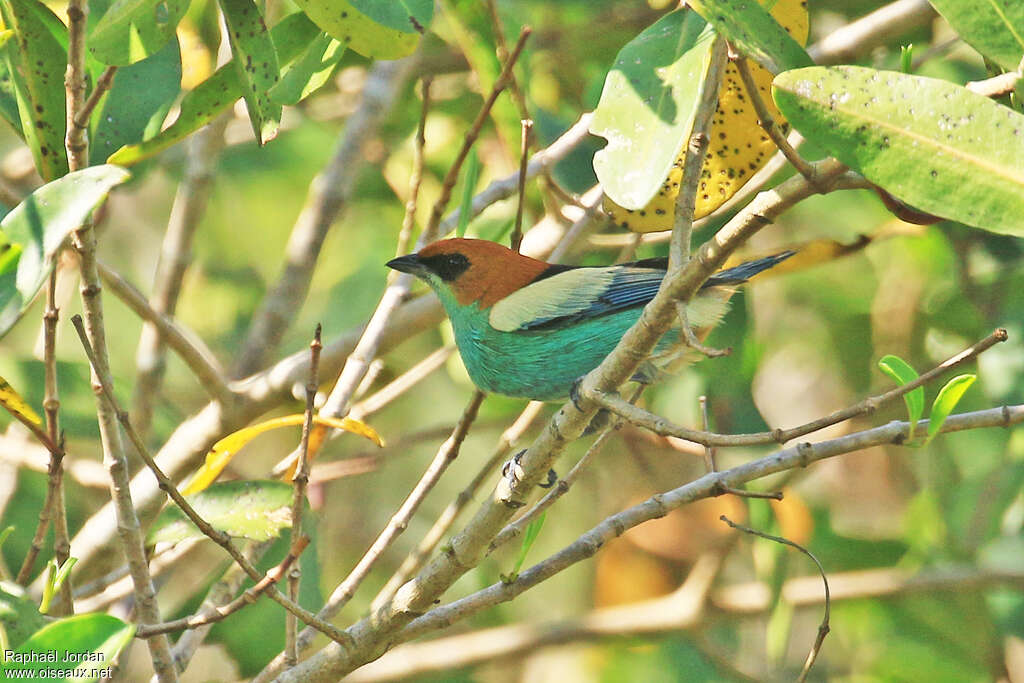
(754, 32)
(94, 640)
(361, 27)
(55, 577)
(37, 67)
(251, 509)
(900, 370)
(8, 97)
(995, 28)
(35, 229)
(945, 402)
(19, 616)
(934, 145)
(140, 95)
(468, 187)
(131, 30)
(529, 537)
(907, 58)
(309, 72)
(217, 93)
(255, 62)
(404, 15)
(647, 106)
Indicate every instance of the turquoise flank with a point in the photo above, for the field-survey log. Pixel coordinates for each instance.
(540, 365)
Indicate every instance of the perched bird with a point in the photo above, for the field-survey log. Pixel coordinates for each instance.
(530, 329)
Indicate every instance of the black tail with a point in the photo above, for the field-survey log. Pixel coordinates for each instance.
(745, 271)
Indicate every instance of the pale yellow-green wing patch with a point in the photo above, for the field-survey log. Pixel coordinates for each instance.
(573, 291)
(738, 147)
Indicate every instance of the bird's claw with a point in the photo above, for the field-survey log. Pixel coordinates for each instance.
(552, 480)
(574, 393)
(514, 472)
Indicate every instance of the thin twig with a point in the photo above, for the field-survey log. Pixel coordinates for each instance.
(768, 123)
(524, 151)
(103, 84)
(474, 131)
(191, 440)
(503, 54)
(662, 503)
(93, 331)
(660, 425)
(246, 598)
(106, 393)
(823, 629)
(220, 594)
(328, 196)
(56, 509)
(445, 456)
(338, 401)
(416, 176)
(705, 424)
(199, 359)
(415, 560)
(686, 200)
(301, 481)
(75, 139)
(709, 459)
(190, 203)
(56, 454)
(996, 86)
(880, 27)
(680, 610)
(403, 383)
(514, 529)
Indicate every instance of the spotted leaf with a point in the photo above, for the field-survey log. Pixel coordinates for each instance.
(738, 147)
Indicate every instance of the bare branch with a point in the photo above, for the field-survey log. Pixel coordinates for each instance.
(301, 481)
(187, 345)
(823, 629)
(879, 27)
(768, 123)
(105, 393)
(661, 504)
(680, 610)
(416, 177)
(524, 151)
(663, 427)
(328, 194)
(190, 204)
(477, 647)
(246, 598)
(414, 561)
(445, 456)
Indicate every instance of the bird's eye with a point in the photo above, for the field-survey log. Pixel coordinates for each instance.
(447, 266)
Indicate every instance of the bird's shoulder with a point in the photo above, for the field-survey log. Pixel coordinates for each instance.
(562, 295)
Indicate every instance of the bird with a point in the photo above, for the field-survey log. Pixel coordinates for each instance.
(530, 329)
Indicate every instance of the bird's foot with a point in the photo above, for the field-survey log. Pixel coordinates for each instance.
(574, 392)
(552, 480)
(514, 472)
(597, 423)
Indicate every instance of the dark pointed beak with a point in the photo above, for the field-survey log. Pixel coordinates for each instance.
(409, 263)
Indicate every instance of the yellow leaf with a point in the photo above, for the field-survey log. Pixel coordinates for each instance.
(225, 449)
(15, 404)
(738, 147)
